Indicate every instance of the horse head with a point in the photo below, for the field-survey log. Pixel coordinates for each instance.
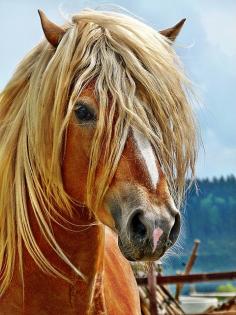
(137, 203)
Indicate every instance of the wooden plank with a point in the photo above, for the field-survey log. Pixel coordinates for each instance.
(152, 290)
(197, 277)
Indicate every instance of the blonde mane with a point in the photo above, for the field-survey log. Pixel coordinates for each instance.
(137, 75)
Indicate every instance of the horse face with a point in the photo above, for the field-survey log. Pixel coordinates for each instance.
(138, 205)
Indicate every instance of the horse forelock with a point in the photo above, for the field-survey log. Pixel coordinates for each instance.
(137, 79)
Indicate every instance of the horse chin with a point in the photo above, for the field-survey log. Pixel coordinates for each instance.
(141, 253)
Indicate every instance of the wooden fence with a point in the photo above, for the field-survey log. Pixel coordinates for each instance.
(152, 280)
(197, 277)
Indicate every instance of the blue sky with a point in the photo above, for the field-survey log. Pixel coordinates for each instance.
(207, 46)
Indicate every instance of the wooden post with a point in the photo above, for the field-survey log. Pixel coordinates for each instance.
(188, 268)
(196, 277)
(152, 290)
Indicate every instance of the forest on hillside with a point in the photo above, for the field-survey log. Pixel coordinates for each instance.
(210, 216)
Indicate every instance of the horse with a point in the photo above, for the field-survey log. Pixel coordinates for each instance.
(97, 138)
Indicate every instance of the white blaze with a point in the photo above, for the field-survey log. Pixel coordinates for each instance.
(148, 155)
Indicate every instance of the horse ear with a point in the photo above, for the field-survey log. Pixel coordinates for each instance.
(53, 32)
(173, 32)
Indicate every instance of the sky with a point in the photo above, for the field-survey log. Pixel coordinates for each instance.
(206, 46)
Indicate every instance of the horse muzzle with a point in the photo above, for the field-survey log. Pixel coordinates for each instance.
(145, 231)
(148, 235)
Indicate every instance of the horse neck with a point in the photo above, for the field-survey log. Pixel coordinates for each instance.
(84, 246)
(82, 239)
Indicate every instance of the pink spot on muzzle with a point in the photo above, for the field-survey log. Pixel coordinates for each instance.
(157, 233)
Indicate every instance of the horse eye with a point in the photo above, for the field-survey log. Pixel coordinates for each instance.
(83, 113)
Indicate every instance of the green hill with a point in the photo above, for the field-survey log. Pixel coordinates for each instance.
(209, 215)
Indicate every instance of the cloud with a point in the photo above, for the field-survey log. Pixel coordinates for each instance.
(220, 28)
(217, 159)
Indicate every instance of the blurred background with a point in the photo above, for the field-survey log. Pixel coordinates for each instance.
(207, 47)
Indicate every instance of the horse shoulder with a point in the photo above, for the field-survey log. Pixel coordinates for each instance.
(120, 287)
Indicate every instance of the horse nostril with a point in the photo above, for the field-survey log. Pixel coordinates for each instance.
(137, 228)
(174, 233)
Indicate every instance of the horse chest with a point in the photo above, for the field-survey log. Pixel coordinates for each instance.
(120, 288)
(88, 299)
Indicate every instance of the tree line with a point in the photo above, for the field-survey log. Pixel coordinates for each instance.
(209, 214)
